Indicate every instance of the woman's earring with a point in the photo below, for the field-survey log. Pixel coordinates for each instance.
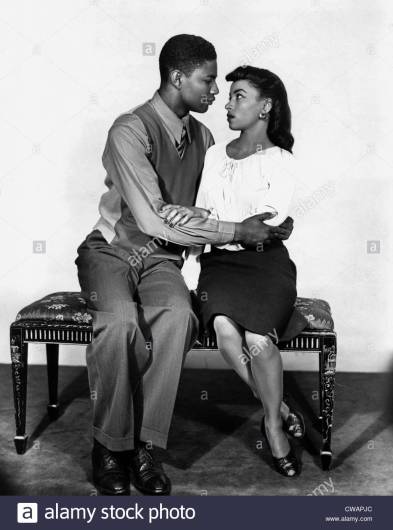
(262, 115)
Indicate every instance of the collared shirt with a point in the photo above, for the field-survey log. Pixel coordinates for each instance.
(131, 178)
(172, 123)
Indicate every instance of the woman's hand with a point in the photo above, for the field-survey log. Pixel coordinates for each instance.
(175, 214)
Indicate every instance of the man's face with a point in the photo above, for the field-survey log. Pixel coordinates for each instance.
(199, 89)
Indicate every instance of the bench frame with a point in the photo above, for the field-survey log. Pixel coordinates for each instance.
(52, 334)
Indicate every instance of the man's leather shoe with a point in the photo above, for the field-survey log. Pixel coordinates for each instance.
(109, 472)
(147, 475)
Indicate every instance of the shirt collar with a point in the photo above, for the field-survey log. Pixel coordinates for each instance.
(173, 123)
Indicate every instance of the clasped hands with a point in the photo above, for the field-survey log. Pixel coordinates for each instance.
(251, 231)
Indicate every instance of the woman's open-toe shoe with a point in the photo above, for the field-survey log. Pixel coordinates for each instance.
(294, 424)
(287, 465)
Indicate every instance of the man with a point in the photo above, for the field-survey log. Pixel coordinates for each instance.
(129, 268)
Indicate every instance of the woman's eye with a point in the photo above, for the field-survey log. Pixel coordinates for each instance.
(238, 96)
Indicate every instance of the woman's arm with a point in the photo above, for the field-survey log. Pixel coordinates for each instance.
(282, 188)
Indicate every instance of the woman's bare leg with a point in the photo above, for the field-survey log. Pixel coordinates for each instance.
(233, 347)
(230, 342)
(266, 368)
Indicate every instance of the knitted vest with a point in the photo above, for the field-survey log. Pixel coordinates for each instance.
(178, 180)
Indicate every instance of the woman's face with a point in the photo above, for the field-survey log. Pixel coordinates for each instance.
(244, 105)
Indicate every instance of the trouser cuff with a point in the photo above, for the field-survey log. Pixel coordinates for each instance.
(156, 438)
(114, 444)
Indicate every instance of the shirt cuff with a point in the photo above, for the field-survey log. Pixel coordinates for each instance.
(226, 231)
(213, 214)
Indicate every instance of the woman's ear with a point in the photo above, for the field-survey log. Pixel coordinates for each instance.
(267, 105)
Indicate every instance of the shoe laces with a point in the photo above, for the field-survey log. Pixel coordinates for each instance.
(110, 460)
(145, 461)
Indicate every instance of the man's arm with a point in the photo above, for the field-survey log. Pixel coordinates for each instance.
(282, 231)
(125, 159)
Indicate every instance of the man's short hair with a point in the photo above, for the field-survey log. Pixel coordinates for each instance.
(185, 53)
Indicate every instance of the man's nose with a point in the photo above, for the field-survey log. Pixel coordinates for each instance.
(214, 89)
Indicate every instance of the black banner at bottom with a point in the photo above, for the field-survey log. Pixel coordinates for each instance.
(197, 512)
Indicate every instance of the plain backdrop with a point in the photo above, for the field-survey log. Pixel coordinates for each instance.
(68, 68)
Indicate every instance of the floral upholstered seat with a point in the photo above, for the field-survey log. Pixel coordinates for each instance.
(70, 308)
(317, 312)
(67, 307)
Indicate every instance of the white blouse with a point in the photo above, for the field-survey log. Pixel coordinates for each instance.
(235, 189)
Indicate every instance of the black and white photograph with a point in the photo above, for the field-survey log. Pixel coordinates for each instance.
(196, 218)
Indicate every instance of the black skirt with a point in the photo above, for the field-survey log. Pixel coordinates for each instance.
(255, 289)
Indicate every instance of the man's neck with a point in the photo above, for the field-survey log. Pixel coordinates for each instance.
(171, 99)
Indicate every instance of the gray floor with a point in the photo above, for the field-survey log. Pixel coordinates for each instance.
(214, 446)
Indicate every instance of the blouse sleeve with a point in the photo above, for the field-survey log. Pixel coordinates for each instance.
(281, 192)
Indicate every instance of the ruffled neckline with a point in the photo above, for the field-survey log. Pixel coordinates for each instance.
(257, 153)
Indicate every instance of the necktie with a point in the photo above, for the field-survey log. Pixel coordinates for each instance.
(181, 146)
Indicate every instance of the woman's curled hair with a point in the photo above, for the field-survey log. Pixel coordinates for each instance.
(270, 86)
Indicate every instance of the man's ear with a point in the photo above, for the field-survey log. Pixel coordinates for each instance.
(175, 77)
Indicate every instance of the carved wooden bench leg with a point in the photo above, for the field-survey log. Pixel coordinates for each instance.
(327, 361)
(321, 367)
(52, 363)
(19, 350)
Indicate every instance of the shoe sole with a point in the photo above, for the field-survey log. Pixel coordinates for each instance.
(150, 493)
(144, 491)
(104, 491)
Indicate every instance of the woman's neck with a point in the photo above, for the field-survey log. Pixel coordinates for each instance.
(254, 138)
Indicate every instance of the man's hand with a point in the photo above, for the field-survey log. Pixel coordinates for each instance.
(284, 230)
(175, 214)
(253, 231)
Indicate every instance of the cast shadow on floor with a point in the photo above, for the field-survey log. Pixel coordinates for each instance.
(213, 405)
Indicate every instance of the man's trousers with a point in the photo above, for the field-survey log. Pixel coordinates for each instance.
(143, 326)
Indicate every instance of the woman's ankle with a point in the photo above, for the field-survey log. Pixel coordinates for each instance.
(284, 409)
(273, 422)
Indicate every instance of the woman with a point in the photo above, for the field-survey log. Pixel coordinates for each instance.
(248, 294)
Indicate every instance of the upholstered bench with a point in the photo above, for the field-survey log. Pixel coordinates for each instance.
(62, 318)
